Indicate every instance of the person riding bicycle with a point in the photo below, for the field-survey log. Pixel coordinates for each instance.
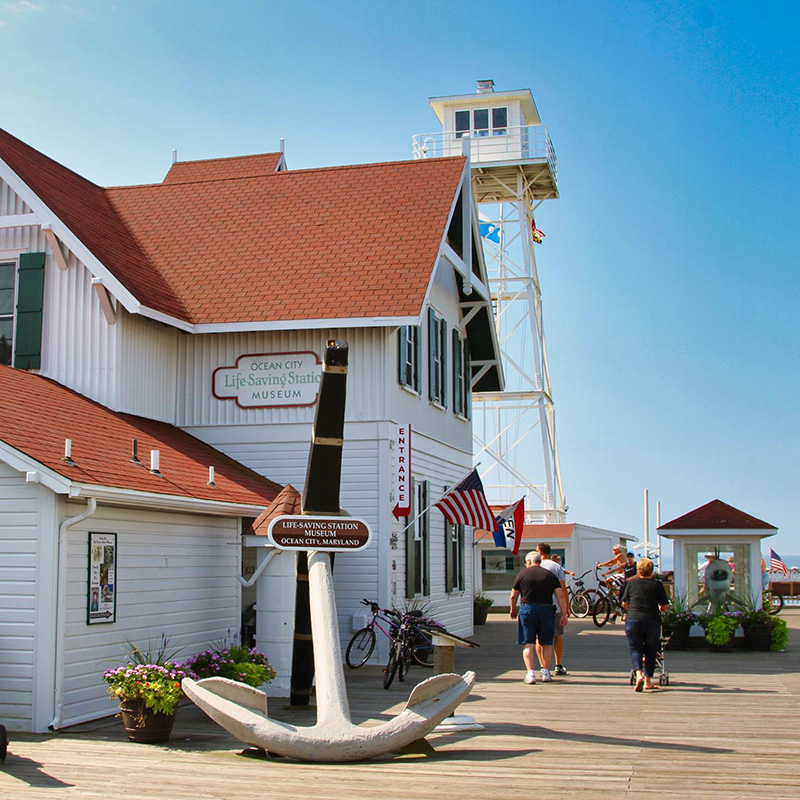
(616, 575)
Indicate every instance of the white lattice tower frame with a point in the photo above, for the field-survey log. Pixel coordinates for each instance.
(506, 423)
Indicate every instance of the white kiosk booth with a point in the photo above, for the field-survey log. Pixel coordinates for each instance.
(726, 533)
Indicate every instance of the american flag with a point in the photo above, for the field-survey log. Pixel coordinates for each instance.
(466, 504)
(776, 563)
(510, 521)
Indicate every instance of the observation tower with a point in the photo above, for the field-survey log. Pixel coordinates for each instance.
(514, 170)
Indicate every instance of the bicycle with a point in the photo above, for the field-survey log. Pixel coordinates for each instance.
(608, 603)
(401, 652)
(362, 643)
(581, 599)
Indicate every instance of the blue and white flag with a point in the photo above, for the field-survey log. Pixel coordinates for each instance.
(510, 521)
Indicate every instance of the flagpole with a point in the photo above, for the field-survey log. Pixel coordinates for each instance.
(431, 505)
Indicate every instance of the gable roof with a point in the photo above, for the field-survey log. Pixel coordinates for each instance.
(38, 414)
(335, 243)
(715, 515)
(221, 168)
(232, 240)
(86, 210)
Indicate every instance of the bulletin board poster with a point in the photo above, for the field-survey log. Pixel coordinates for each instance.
(102, 596)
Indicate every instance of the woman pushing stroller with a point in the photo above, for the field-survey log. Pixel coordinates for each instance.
(644, 598)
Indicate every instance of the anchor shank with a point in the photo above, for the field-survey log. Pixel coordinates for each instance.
(332, 705)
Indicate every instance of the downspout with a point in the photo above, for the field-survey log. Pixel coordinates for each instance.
(61, 611)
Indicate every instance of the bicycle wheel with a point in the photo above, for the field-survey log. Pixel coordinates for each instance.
(404, 662)
(774, 604)
(391, 665)
(579, 605)
(422, 649)
(360, 648)
(592, 595)
(601, 611)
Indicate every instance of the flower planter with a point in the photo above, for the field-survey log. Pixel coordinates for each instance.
(479, 614)
(720, 648)
(144, 725)
(678, 636)
(757, 637)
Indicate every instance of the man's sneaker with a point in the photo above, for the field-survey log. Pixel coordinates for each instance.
(546, 676)
(559, 670)
(530, 678)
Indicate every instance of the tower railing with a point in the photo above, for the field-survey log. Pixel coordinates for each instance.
(525, 142)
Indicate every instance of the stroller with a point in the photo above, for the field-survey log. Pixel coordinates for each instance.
(661, 673)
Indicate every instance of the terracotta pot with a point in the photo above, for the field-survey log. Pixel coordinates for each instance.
(757, 637)
(144, 725)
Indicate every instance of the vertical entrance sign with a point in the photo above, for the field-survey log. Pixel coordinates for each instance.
(402, 489)
(101, 600)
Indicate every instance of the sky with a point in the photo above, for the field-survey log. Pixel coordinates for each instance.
(669, 269)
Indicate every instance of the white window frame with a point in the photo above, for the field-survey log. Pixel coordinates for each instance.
(473, 130)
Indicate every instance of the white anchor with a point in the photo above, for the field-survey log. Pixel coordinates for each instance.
(241, 709)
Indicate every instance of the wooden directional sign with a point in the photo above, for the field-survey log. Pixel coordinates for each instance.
(326, 534)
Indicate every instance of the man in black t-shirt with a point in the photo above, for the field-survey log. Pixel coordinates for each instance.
(534, 587)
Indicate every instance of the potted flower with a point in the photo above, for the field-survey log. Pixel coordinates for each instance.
(148, 689)
(233, 661)
(481, 603)
(677, 622)
(720, 630)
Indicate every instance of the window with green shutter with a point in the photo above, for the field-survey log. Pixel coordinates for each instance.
(437, 359)
(418, 556)
(409, 357)
(30, 302)
(8, 283)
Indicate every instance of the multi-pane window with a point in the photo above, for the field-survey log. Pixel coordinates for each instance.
(461, 376)
(409, 357)
(418, 563)
(437, 359)
(8, 273)
(454, 539)
(482, 122)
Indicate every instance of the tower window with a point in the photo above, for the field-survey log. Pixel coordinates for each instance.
(482, 122)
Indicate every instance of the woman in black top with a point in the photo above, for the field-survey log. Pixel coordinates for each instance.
(644, 599)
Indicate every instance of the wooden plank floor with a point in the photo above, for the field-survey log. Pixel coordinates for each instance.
(727, 727)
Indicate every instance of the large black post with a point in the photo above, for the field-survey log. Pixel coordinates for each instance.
(320, 496)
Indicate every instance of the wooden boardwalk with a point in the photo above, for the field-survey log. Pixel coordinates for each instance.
(727, 727)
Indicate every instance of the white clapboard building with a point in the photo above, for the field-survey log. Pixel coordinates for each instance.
(162, 346)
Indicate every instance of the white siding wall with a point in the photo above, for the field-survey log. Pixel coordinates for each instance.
(281, 453)
(200, 355)
(148, 352)
(26, 581)
(78, 345)
(175, 575)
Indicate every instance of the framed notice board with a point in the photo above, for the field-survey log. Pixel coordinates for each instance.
(101, 599)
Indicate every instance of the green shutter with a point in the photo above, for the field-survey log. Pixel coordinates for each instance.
(418, 359)
(426, 544)
(411, 560)
(449, 530)
(467, 381)
(30, 302)
(402, 354)
(443, 347)
(457, 404)
(431, 347)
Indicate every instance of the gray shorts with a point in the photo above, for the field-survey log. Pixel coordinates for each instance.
(559, 627)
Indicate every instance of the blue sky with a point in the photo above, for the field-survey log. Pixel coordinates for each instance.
(669, 270)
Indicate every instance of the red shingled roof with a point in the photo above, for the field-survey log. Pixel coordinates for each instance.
(289, 501)
(343, 242)
(715, 514)
(39, 414)
(223, 168)
(85, 209)
(231, 240)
